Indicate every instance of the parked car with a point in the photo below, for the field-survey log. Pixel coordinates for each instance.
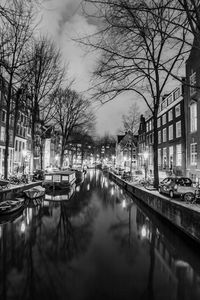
(176, 186)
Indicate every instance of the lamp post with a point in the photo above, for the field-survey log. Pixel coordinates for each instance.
(145, 154)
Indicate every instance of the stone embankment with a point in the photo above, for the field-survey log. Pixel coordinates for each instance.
(185, 217)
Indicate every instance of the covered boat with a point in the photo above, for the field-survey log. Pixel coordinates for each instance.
(35, 192)
(59, 179)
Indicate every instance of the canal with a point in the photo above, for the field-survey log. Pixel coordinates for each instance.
(100, 244)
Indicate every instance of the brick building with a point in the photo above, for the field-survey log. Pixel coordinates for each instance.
(192, 111)
(171, 136)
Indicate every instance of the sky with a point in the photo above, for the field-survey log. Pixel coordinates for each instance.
(62, 20)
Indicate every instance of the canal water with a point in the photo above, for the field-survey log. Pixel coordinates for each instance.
(100, 244)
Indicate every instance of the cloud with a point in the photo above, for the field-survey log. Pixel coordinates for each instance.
(62, 20)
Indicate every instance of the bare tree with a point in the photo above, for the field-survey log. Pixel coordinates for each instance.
(14, 40)
(71, 112)
(131, 120)
(140, 47)
(44, 74)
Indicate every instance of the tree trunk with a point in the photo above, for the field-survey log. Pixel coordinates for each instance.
(155, 151)
(7, 128)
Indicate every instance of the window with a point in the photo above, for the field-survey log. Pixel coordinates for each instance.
(3, 134)
(193, 117)
(177, 93)
(170, 99)
(178, 129)
(164, 158)
(3, 116)
(159, 157)
(159, 137)
(178, 110)
(164, 119)
(150, 125)
(193, 154)
(171, 154)
(192, 83)
(164, 135)
(178, 155)
(16, 145)
(158, 123)
(10, 136)
(170, 115)
(171, 132)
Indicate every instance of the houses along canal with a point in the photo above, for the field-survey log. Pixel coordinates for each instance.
(101, 244)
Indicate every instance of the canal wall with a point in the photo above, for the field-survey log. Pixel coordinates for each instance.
(185, 217)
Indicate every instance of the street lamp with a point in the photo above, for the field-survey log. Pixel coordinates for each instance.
(145, 154)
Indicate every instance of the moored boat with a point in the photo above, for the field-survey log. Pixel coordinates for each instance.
(35, 192)
(60, 195)
(11, 206)
(59, 180)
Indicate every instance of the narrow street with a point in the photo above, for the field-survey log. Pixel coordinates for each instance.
(101, 244)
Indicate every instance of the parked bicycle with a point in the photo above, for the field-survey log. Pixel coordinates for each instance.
(192, 198)
(148, 183)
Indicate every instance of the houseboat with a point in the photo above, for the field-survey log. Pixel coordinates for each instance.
(60, 195)
(59, 179)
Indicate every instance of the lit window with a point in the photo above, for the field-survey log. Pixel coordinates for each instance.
(193, 154)
(171, 154)
(164, 135)
(178, 110)
(170, 115)
(193, 117)
(164, 158)
(192, 83)
(178, 155)
(171, 132)
(178, 129)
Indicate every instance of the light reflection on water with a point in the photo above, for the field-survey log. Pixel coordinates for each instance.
(100, 244)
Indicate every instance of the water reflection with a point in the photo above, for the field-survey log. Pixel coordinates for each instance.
(100, 245)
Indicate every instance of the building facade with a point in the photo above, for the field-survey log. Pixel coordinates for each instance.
(171, 136)
(192, 111)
